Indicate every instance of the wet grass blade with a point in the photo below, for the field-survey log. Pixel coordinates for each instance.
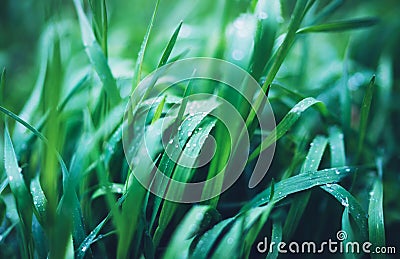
(311, 164)
(300, 183)
(287, 122)
(21, 194)
(183, 174)
(350, 203)
(376, 223)
(170, 46)
(340, 26)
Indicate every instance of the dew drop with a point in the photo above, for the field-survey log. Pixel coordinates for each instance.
(171, 141)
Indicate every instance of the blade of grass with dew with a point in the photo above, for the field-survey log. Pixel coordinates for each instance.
(340, 26)
(139, 62)
(113, 188)
(170, 46)
(338, 158)
(174, 149)
(365, 107)
(78, 223)
(97, 57)
(298, 206)
(376, 225)
(287, 122)
(20, 192)
(183, 174)
(300, 183)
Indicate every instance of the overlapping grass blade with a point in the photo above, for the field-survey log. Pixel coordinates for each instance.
(340, 26)
(300, 183)
(21, 194)
(183, 174)
(311, 164)
(97, 57)
(183, 236)
(287, 122)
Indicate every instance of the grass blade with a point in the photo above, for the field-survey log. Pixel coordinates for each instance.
(139, 62)
(376, 223)
(20, 191)
(96, 56)
(311, 164)
(340, 26)
(276, 238)
(287, 122)
(365, 107)
(300, 183)
(170, 46)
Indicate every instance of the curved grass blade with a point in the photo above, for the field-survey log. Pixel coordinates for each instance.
(287, 122)
(72, 199)
(355, 209)
(340, 26)
(96, 56)
(21, 194)
(170, 46)
(90, 239)
(338, 158)
(300, 183)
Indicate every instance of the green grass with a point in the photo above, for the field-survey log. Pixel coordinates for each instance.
(73, 162)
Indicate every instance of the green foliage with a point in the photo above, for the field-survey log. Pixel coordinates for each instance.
(71, 187)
